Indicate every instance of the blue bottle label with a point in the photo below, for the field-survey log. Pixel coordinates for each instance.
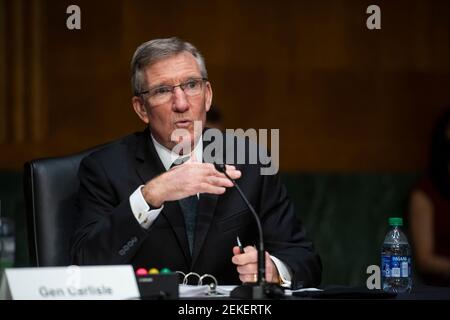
(396, 266)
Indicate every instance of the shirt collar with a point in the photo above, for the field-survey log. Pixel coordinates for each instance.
(168, 157)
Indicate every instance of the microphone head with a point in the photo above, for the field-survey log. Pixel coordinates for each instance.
(219, 167)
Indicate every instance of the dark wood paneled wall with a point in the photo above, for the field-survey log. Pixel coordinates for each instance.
(344, 98)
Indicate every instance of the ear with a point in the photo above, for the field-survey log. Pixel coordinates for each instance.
(208, 97)
(140, 108)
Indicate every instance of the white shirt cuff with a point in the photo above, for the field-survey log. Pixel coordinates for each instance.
(141, 209)
(283, 271)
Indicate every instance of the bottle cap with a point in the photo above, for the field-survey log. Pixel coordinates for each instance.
(395, 221)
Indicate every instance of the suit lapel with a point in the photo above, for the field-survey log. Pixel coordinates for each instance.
(205, 213)
(148, 163)
(148, 166)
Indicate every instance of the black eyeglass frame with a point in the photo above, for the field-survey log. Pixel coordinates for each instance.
(181, 85)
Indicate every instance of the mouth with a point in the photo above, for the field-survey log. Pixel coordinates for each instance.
(183, 123)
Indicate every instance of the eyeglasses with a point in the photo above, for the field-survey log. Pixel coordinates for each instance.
(162, 94)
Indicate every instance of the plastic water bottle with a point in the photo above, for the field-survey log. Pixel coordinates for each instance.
(396, 259)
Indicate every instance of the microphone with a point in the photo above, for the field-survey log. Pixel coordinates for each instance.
(261, 289)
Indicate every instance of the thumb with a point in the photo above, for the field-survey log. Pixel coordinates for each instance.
(236, 250)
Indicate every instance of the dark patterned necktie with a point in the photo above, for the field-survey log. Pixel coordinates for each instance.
(189, 207)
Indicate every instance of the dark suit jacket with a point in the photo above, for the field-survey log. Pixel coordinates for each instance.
(110, 234)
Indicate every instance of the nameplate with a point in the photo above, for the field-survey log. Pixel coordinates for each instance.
(70, 283)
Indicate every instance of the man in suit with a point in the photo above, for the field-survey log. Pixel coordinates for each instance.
(143, 204)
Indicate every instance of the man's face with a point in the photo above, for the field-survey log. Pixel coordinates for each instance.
(181, 110)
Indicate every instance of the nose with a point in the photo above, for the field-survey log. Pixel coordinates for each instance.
(180, 102)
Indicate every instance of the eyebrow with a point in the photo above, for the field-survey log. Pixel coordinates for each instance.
(164, 84)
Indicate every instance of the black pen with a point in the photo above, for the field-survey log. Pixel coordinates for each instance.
(241, 248)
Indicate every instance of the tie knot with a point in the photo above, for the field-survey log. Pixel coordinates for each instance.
(179, 161)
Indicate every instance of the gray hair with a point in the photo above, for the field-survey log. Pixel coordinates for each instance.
(152, 51)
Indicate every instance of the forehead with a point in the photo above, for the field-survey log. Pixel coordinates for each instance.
(172, 69)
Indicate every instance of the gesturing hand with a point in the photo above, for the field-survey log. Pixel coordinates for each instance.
(186, 180)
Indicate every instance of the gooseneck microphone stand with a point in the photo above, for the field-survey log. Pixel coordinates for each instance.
(261, 289)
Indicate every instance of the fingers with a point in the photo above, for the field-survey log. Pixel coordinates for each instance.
(229, 167)
(245, 262)
(233, 172)
(211, 180)
(246, 265)
(209, 188)
(249, 256)
(219, 181)
(247, 271)
(236, 250)
(230, 170)
(208, 170)
(194, 177)
(248, 277)
(271, 269)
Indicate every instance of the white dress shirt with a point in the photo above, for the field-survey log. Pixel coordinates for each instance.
(145, 216)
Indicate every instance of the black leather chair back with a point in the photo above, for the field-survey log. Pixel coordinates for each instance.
(51, 186)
